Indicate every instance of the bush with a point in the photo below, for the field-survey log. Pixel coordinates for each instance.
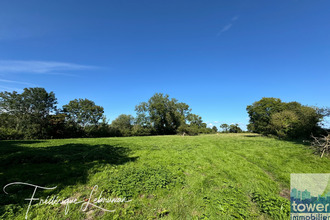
(10, 134)
(271, 116)
(284, 123)
(234, 128)
(189, 130)
(138, 130)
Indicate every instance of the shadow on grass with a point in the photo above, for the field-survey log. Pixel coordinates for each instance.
(301, 141)
(296, 141)
(59, 166)
(252, 135)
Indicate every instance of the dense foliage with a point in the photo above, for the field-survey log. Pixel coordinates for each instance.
(271, 116)
(83, 112)
(26, 114)
(233, 128)
(168, 116)
(33, 114)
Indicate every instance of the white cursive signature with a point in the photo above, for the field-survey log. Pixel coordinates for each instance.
(85, 204)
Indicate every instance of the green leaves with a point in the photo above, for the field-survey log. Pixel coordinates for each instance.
(286, 120)
(260, 113)
(123, 123)
(275, 206)
(164, 114)
(83, 112)
(229, 201)
(132, 181)
(28, 111)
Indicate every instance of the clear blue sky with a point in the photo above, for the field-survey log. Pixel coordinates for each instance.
(217, 56)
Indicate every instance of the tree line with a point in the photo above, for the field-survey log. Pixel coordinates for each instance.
(33, 114)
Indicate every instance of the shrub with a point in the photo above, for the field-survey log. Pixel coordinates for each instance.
(10, 134)
(284, 123)
(138, 130)
(271, 116)
(188, 129)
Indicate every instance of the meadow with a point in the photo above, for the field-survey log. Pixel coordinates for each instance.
(220, 176)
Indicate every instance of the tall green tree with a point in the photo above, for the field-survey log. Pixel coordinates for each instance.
(260, 114)
(29, 111)
(225, 128)
(234, 128)
(83, 112)
(165, 115)
(124, 124)
(196, 120)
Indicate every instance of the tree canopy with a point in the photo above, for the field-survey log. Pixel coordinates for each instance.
(287, 120)
(234, 128)
(123, 123)
(28, 111)
(260, 114)
(83, 112)
(164, 114)
(224, 127)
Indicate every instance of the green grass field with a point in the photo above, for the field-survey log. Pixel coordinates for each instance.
(225, 176)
